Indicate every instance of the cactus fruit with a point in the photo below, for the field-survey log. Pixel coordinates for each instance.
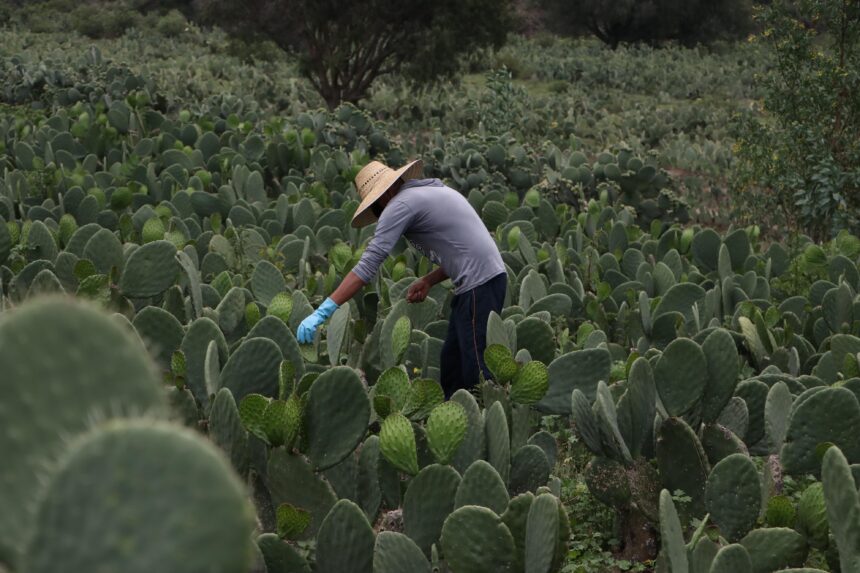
(397, 443)
(446, 429)
(500, 362)
(530, 383)
(733, 495)
(173, 476)
(475, 540)
(63, 363)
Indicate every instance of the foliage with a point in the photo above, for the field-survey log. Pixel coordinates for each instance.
(344, 46)
(651, 22)
(799, 162)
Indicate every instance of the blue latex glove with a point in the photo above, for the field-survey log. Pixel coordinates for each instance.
(308, 327)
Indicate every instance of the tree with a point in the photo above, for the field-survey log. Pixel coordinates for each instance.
(344, 45)
(798, 159)
(650, 21)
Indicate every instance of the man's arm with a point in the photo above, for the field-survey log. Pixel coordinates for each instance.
(347, 289)
(419, 290)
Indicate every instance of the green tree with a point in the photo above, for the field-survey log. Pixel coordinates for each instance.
(344, 45)
(650, 21)
(798, 154)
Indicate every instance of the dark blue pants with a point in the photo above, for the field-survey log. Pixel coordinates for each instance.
(463, 352)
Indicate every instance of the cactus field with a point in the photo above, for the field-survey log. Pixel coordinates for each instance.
(158, 252)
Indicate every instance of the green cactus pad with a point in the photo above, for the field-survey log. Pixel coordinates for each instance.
(160, 331)
(194, 346)
(291, 521)
(336, 416)
(226, 430)
(253, 369)
(775, 548)
(830, 415)
(397, 443)
(292, 480)
(777, 408)
(780, 512)
(280, 557)
(231, 310)
(530, 383)
(396, 553)
(585, 422)
(252, 409)
(732, 558)
(703, 555)
(843, 507)
(393, 383)
(719, 442)
(812, 516)
(541, 534)
(515, 518)
(636, 415)
(683, 463)
(281, 306)
(266, 282)
(500, 361)
(63, 363)
(721, 355)
(681, 375)
(345, 541)
(671, 535)
(400, 338)
(498, 440)
(474, 540)
(579, 370)
(105, 251)
(733, 495)
(424, 395)
(428, 501)
(482, 485)
(446, 429)
(368, 491)
(150, 270)
(538, 338)
(172, 476)
(473, 446)
(530, 469)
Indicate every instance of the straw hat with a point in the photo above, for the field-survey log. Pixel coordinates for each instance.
(374, 180)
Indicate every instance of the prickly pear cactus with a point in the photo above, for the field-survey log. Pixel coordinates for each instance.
(501, 363)
(64, 364)
(397, 443)
(530, 383)
(174, 475)
(446, 429)
(733, 495)
(475, 540)
(843, 507)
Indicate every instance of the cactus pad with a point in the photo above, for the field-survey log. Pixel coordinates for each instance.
(396, 553)
(336, 416)
(446, 429)
(345, 541)
(397, 443)
(63, 363)
(172, 476)
(482, 485)
(681, 375)
(501, 363)
(474, 540)
(530, 383)
(428, 501)
(733, 495)
(150, 270)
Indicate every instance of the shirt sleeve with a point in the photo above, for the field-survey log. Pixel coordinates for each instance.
(395, 219)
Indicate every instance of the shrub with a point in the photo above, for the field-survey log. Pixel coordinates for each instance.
(171, 24)
(107, 20)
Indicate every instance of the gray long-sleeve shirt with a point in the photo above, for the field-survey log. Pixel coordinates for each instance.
(440, 224)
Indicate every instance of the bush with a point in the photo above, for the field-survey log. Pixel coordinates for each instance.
(171, 24)
(798, 161)
(104, 20)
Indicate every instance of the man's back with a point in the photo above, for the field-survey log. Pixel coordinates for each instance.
(441, 224)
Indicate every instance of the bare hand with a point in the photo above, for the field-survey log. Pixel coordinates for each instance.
(418, 291)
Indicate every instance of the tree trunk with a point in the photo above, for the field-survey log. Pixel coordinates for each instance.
(638, 537)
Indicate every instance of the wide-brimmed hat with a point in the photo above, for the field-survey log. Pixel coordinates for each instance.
(374, 180)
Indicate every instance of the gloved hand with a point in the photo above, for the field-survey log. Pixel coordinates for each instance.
(308, 327)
